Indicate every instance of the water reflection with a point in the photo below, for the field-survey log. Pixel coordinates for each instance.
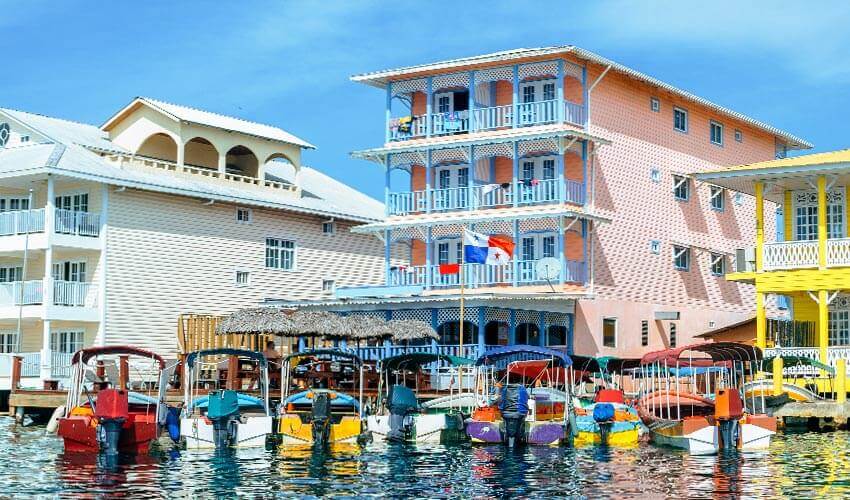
(803, 465)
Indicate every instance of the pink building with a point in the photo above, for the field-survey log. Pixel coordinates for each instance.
(577, 159)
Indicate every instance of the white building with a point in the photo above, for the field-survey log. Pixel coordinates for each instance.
(108, 234)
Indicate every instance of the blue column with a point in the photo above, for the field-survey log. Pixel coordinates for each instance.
(429, 195)
(562, 186)
(562, 248)
(470, 191)
(584, 255)
(560, 88)
(388, 315)
(481, 325)
(516, 174)
(517, 250)
(302, 344)
(541, 324)
(571, 320)
(429, 258)
(389, 110)
(584, 179)
(512, 324)
(434, 325)
(471, 101)
(387, 164)
(585, 97)
(387, 255)
(428, 96)
(516, 97)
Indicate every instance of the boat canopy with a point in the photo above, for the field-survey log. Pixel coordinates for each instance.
(790, 361)
(585, 363)
(324, 352)
(538, 368)
(243, 400)
(84, 355)
(524, 352)
(225, 351)
(715, 352)
(336, 398)
(617, 365)
(415, 360)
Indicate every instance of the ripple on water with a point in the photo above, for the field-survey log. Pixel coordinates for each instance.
(802, 465)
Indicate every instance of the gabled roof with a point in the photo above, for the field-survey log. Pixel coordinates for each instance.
(209, 119)
(381, 78)
(841, 156)
(65, 131)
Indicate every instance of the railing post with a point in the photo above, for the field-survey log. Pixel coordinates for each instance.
(515, 260)
(429, 257)
(516, 174)
(387, 164)
(761, 322)
(471, 106)
(387, 254)
(562, 250)
(429, 192)
(515, 120)
(232, 368)
(428, 110)
(560, 91)
(823, 325)
(585, 98)
(759, 188)
(822, 227)
(841, 381)
(389, 113)
(470, 181)
(17, 362)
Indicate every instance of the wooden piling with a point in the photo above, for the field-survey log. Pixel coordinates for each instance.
(777, 376)
(232, 368)
(123, 372)
(17, 363)
(841, 381)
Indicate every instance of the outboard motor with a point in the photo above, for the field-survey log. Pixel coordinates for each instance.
(514, 409)
(223, 411)
(603, 415)
(321, 420)
(728, 410)
(402, 403)
(112, 410)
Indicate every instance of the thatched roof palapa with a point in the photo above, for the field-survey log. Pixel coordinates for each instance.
(408, 329)
(364, 327)
(260, 321)
(320, 324)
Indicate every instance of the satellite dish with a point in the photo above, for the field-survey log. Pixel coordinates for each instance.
(4, 134)
(548, 268)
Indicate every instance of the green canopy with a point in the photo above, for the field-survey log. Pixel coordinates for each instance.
(414, 360)
(615, 364)
(789, 361)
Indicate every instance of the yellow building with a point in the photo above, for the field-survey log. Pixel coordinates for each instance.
(808, 259)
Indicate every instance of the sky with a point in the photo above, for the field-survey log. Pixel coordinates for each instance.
(288, 63)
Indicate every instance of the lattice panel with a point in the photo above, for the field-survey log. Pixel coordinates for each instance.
(494, 227)
(450, 314)
(545, 68)
(505, 149)
(493, 314)
(407, 233)
(407, 86)
(527, 317)
(408, 158)
(414, 314)
(505, 73)
(575, 148)
(573, 70)
(449, 155)
(371, 314)
(538, 146)
(840, 302)
(447, 230)
(540, 224)
(449, 81)
(811, 197)
(556, 318)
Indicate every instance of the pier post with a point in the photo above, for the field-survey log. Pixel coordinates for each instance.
(841, 381)
(777, 376)
(17, 362)
(123, 372)
(232, 368)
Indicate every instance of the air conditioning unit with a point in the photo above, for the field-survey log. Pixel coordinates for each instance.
(745, 260)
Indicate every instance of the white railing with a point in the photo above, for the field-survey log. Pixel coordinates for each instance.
(790, 255)
(60, 364)
(22, 221)
(576, 272)
(77, 222)
(476, 275)
(838, 252)
(449, 123)
(30, 364)
(493, 196)
(575, 113)
(408, 276)
(450, 198)
(493, 117)
(574, 192)
(533, 113)
(400, 131)
(74, 294)
(832, 355)
(406, 202)
(18, 293)
(538, 191)
(374, 353)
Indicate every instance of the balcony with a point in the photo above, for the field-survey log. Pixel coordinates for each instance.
(65, 293)
(487, 118)
(787, 255)
(67, 222)
(31, 369)
(485, 196)
(481, 275)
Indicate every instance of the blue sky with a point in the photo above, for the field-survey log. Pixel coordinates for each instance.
(288, 63)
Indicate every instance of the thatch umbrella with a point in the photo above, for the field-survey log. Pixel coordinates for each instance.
(362, 327)
(404, 330)
(258, 321)
(320, 324)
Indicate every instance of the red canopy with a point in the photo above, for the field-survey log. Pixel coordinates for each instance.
(83, 355)
(706, 354)
(538, 368)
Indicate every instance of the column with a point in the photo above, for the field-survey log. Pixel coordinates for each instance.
(387, 209)
(822, 228)
(516, 174)
(562, 249)
(560, 88)
(387, 255)
(761, 322)
(471, 101)
(48, 283)
(429, 97)
(389, 113)
(584, 179)
(585, 97)
(516, 97)
(512, 331)
(104, 228)
(562, 185)
(434, 325)
(46, 361)
(571, 324)
(181, 152)
(823, 324)
(471, 202)
(759, 225)
(541, 325)
(429, 258)
(517, 250)
(222, 163)
(429, 193)
(482, 323)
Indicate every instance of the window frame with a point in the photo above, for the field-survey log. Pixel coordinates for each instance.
(332, 288)
(686, 253)
(655, 104)
(739, 135)
(644, 333)
(717, 193)
(673, 335)
(280, 249)
(685, 184)
(56, 340)
(329, 224)
(8, 341)
(236, 281)
(240, 220)
(717, 264)
(712, 125)
(609, 320)
(655, 174)
(684, 112)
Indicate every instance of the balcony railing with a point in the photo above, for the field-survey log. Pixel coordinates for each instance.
(77, 222)
(65, 293)
(488, 118)
(60, 364)
(478, 275)
(17, 293)
(31, 364)
(484, 196)
(74, 294)
(804, 254)
(374, 353)
(22, 222)
(833, 353)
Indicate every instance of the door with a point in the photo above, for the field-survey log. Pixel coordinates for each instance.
(534, 247)
(538, 102)
(69, 287)
(447, 252)
(66, 342)
(443, 117)
(450, 181)
(69, 211)
(537, 180)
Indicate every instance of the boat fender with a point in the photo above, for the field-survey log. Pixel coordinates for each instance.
(53, 423)
(172, 424)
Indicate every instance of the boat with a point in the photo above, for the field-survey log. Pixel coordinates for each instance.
(321, 414)
(228, 417)
(101, 414)
(511, 413)
(680, 409)
(403, 418)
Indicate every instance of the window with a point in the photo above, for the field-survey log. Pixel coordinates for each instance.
(839, 327)
(244, 215)
(67, 342)
(716, 198)
(739, 199)
(8, 342)
(680, 120)
(655, 175)
(654, 104)
(13, 273)
(681, 188)
(716, 131)
(13, 204)
(280, 254)
(328, 227)
(548, 91)
(672, 334)
(655, 246)
(739, 136)
(681, 258)
(25, 138)
(328, 286)
(609, 332)
(805, 220)
(718, 264)
(243, 278)
(644, 333)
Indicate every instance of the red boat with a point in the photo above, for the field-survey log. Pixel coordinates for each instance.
(101, 415)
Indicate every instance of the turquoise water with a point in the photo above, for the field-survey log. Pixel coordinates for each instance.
(801, 465)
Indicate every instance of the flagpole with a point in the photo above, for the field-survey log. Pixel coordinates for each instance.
(462, 279)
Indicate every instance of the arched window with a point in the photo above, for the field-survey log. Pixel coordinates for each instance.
(199, 152)
(159, 146)
(450, 333)
(242, 161)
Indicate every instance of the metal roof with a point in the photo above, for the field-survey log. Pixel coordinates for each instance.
(65, 131)
(424, 301)
(215, 120)
(380, 79)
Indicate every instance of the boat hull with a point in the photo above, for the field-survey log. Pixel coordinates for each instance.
(536, 433)
(426, 428)
(79, 434)
(622, 434)
(697, 437)
(293, 431)
(250, 433)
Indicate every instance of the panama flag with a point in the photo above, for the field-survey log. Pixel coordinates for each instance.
(482, 249)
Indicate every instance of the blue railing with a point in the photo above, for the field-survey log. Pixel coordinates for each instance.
(374, 353)
(478, 275)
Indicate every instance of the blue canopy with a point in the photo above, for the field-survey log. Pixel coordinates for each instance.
(326, 352)
(338, 398)
(523, 352)
(225, 351)
(244, 401)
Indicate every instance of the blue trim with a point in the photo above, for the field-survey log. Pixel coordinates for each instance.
(584, 171)
(514, 261)
(584, 251)
(560, 84)
(389, 110)
(562, 248)
(492, 169)
(302, 344)
(562, 192)
(428, 180)
(516, 173)
(387, 185)
(516, 98)
(571, 323)
(429, 256)
(481, 325)
(492, 96)
(471, 102)
(387, 234)
(227, 351)
(429, 90)
(541, 319)
(526, 352)
(378, 291)
(585, 97)
(470, 202)
(512, 331)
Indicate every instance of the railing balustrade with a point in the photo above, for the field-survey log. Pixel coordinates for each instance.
(450, 198)
(401, 130)
(790, 255)
(450, 123)
(60, 364)
(838, 252)
(538, 191)
(493, 117)
(74, 294)
(77, 222)
(536, 113)
(16, 293)
(65, 293)
(30, 364)
(574, 192)
(575, 113)
(478, 275)
(375, 353)
(22, 222)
